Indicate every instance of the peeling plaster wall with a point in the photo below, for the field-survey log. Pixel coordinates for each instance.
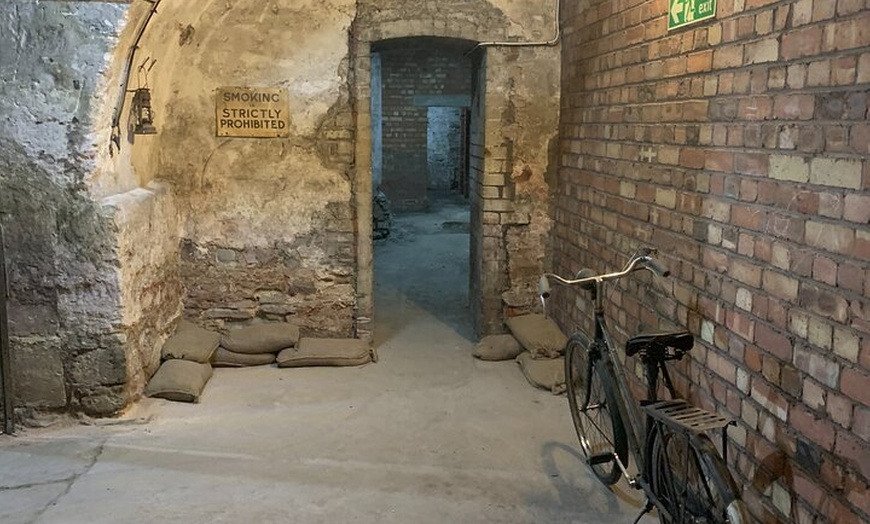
(521, 121)
(512, 167)
(267, 232)
(524, 20)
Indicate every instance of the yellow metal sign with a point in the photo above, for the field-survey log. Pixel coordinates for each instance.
(260, 112)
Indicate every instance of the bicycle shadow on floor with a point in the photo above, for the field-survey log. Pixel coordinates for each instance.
(579, 490)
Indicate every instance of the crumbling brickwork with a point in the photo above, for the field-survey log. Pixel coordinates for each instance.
(511, 168)
(738, 147)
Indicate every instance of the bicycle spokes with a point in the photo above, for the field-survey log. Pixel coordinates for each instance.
(599, 429)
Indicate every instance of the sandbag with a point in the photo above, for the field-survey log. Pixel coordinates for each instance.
(545, 374)
(497, 347)
(191, 342)
(539, 335)
(325, 352)
(179, 380)
(224, 358)
(261, 338)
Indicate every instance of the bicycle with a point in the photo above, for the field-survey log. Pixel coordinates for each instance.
(680, 471)
(382, 218)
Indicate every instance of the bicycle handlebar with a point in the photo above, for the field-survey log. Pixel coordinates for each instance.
(638, 261)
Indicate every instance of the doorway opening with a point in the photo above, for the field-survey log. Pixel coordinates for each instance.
(420, 100)
(447, 150)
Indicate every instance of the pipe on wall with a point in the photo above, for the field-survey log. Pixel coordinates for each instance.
(557, 35)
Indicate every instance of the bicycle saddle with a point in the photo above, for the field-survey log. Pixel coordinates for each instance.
(682, 340)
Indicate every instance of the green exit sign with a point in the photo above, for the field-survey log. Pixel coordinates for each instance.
(686, 12)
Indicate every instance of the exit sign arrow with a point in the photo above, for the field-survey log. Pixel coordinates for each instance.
(685, 12)
(677, 12)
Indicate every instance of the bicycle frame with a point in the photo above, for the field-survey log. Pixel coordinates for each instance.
(642, 422)
(629, 408)
(636, 423)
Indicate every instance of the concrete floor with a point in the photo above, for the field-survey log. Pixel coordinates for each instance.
(427, 435)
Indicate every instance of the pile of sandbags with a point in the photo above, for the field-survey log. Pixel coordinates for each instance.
(325, 352)
(537, 344)
(255, 345)
(185, 369)
(281, 344)
(190, 353)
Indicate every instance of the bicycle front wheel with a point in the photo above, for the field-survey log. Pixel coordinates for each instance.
(594, 409)
(691, 480)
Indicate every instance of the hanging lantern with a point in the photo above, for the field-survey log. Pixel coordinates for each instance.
(142, 113)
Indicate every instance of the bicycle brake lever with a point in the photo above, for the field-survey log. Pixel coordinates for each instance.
(544, 287)
(656, 267)
(544, 293)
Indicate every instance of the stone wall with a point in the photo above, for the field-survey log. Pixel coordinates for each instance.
(146, 225)
(738, 147)
(74, 347)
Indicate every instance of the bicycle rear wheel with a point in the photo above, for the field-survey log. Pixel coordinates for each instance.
(691, 480)
(594, 410)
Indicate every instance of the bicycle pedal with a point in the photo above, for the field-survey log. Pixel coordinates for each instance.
(600, 458)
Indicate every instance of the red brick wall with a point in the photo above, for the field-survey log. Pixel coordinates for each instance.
(417, 67)
(738, 147)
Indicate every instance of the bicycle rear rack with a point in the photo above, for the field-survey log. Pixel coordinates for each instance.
(680, 415)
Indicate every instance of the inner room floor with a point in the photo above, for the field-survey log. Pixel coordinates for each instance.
(422, 266)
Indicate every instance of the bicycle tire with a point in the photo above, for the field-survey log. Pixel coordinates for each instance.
(690, 479)
(591, 395)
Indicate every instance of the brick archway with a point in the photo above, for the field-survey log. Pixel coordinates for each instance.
(512, 126)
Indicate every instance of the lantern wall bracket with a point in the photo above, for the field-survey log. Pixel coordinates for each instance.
(115, 139)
